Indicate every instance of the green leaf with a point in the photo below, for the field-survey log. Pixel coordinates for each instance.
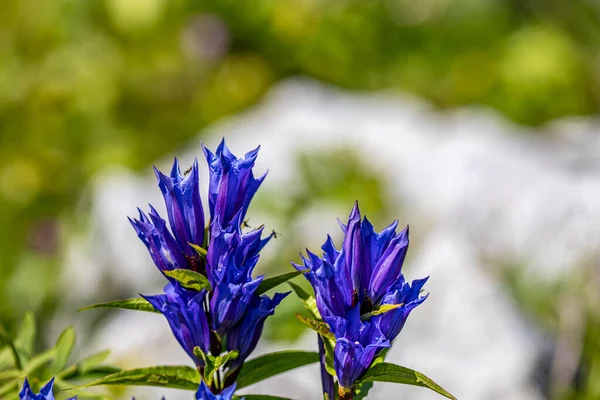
(299, 291)
(212, 363)
(64, 347)
(25, 337)
(39, 360)
(88, 366)
(177, 377)
(10, 374)
(329, 346)
(189, 279)
(272, 364)
(275, 281)
(7, 341)
(387, 372)
(363, 390)
(137, 304)
(380, 310)
(199, 249)
(309, 301)
(318, 326)
(92, 361)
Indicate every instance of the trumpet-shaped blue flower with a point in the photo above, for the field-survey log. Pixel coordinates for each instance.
(204, 393)
(170, 249)
(232, 183)
(184, 206)
(45, 393)
(354, 281)
(231, 258)
(357, 344)
(184, 311)
(244, 336)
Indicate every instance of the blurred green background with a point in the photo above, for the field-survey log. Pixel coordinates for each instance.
(85, 84)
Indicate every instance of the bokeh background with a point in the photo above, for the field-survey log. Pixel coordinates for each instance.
(475, 121)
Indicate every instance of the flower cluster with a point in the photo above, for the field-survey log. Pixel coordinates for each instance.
(361, 294)
(230, 315)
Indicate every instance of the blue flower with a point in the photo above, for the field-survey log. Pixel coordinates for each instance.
(185, 313)
(352, 282)
(230, 260)
(357, 344)
(244, 336)
(45, 393)
(204, 393)
(232, 183)
(186, 219)
(184, 206)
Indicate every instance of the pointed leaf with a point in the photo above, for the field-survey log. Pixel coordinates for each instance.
(380, 310)
(387, 372)
(39, 361)
(137, 304)
(363, 390)
(272, 364)
(309, 301)
(177, 377)
(270, 283)
(318, 326)
(64, 347)
(300, 292)
(93, 360)
(189, 279)
(25, 337)
(329, 346)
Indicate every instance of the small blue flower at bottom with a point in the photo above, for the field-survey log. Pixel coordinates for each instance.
(45, 393)
(204, 393)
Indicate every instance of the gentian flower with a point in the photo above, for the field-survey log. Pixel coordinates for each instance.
(244, 336)
(184, 311)
(356, 280)
(186, 219)
(204, 393)
(232, 183)
(45, 393)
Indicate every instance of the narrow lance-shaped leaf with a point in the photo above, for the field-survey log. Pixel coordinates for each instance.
(318, 326)
(189, 279)
(176, 377)
(387, 372)
(309, 301)
(136, 304)
(270, 283)
(25, 337)
(269, 365)
(64, 347)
